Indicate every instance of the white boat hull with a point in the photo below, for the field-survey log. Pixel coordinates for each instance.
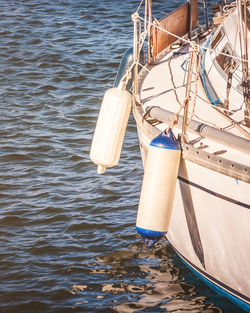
(197, 86)
(209, 226)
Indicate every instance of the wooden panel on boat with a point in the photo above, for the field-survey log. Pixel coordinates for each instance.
(177, 22)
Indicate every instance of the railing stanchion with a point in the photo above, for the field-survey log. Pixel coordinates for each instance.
(135, 18)
(149, 31)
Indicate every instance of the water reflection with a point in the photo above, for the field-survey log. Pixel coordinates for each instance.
(150, 281)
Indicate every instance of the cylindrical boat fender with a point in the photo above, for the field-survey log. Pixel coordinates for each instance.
(110, 128)
(126, 62)
(158, 187)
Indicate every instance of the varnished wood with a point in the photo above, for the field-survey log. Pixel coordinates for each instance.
(177, 22)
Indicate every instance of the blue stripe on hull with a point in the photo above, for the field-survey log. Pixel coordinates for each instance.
(202, 275)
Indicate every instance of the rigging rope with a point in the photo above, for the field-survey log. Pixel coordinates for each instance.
(194, 60)
(194, 97)
(188, 42)
(199, 48)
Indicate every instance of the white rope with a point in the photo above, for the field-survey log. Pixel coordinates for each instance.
(197, 59)
(228, 7)
(139, 6)
(143, 37)
(125, 78)
(144, 67)
(199, 46)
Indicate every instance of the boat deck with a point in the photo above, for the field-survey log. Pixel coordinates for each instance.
(169, 94)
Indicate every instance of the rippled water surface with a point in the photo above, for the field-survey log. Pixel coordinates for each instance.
(68, 240)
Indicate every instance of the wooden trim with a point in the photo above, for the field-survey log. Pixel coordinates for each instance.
(177, 22)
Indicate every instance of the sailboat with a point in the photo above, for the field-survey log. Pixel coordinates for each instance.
(188, 87)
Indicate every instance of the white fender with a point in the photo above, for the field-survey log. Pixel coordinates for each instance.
(110, 128)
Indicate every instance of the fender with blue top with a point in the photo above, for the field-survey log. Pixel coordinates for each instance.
(158, 187)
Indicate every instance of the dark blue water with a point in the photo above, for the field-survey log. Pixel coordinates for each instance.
(67, 235)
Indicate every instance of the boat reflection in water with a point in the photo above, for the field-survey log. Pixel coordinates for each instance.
(156, 282)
